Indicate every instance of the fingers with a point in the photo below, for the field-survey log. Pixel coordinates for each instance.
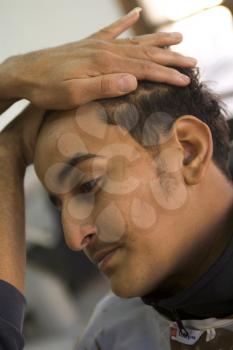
(118, 27)
(154, 54)
(159, 39)
(157, 73)
(141, 69)
(110, 85)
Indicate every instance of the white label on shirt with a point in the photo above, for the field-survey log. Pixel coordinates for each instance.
(190, 339)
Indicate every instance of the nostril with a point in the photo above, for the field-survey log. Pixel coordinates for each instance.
(86, 241)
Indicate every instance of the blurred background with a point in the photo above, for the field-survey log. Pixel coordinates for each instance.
(62, 286)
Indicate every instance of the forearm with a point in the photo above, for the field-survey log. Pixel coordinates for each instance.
(11, 82)
(12, 219)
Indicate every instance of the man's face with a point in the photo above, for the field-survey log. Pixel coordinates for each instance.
(114, 201)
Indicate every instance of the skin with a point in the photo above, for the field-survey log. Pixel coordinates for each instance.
(161, 237)
(99, 66)
(52, 79)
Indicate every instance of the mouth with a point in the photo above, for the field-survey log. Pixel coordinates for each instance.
(103, 257)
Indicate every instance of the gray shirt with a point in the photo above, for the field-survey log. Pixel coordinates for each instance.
(122, 324)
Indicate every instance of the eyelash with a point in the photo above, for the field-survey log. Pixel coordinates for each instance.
(57, 202)
(93, 181)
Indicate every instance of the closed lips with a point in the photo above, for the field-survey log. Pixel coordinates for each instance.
(98, 257)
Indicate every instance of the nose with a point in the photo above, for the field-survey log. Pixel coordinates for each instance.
(78, 236)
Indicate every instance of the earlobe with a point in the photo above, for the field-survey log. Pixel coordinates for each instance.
(195, 139)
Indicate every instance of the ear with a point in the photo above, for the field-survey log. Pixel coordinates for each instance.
(195, 139)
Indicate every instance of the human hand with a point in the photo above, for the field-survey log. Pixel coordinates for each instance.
(97, 67)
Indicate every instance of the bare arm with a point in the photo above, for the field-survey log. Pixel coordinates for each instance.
(12, 231)
(17, 142)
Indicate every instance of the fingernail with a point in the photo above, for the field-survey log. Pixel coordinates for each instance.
(135, 10)
(127, 83)
(184, 78)
(176, 35)
(192, 60)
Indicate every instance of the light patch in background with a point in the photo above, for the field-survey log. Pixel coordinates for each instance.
(160, 11)
(28, 25)
(208, 36)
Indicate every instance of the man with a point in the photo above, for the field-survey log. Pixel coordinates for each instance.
(136, 179)
(62, 78)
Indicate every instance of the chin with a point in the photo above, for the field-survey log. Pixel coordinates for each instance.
(122, 293)
(129, 290)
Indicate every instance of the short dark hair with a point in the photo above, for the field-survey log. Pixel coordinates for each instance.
(164, 104)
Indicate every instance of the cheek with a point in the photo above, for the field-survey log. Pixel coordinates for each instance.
(119, 215)
(136, 275)
(143, 214)
(169, 192)
(142, 209)
(70, 231)
(110, 218)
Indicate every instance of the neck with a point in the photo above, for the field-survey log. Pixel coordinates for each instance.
(211, 228)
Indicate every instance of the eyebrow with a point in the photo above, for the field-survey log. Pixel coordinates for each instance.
(77, 159)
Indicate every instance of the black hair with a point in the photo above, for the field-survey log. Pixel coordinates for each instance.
(163, 104)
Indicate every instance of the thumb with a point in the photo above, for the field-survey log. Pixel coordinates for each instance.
(110, 85)
(118, 27)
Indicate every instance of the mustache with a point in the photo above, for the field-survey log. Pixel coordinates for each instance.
(98, 248)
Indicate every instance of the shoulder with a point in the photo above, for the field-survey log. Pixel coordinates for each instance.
(118, 321)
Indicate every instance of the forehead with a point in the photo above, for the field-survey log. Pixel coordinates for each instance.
(84, 130)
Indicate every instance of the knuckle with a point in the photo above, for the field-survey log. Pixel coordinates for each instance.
(146, 66)
(102, 58)
(131, 41)
(98, 44)
(106, 85)
(149, 52)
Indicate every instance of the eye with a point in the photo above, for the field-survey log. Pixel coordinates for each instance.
(89, 186)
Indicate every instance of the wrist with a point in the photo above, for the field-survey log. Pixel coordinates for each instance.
(11, 80)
